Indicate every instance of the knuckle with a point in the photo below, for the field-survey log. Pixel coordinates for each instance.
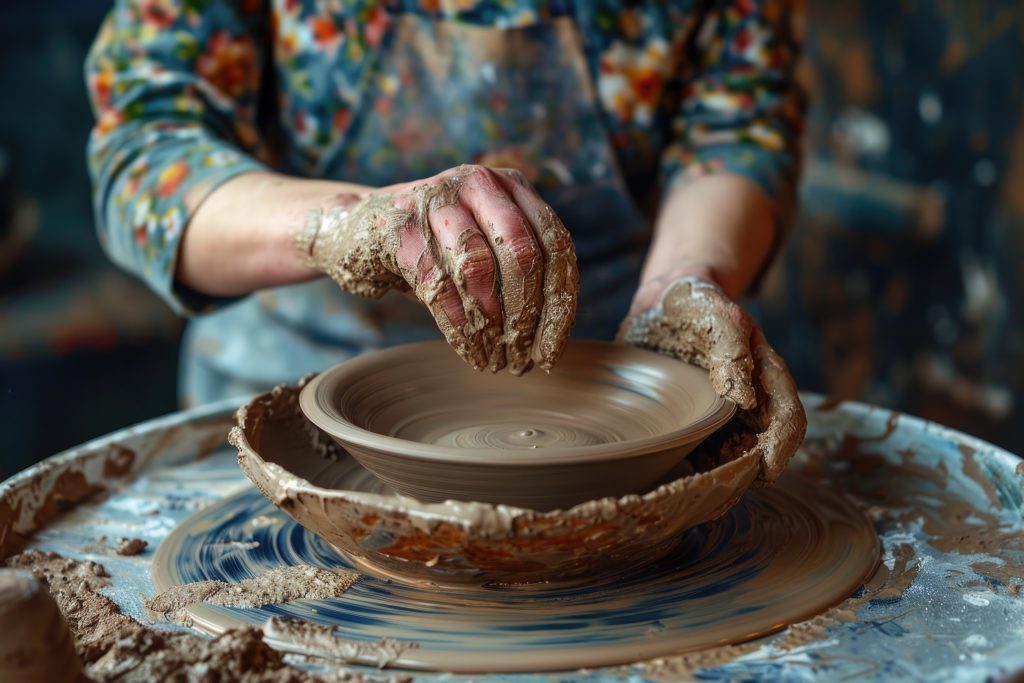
(475, 173)
(423, 268)
(525, 251)
(403, 201)
(430, 272)
(515, 175)
(477, 265)
(483, 178)
(450, 302)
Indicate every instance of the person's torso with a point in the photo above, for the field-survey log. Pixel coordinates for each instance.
(575, 96)
(488, 95)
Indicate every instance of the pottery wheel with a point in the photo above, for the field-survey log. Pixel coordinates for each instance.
(945, 603)
(780, 556)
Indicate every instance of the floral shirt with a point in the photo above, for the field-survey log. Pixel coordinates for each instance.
(189, 93)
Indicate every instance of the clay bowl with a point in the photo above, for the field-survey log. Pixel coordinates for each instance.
(608, 421)
(302, 471)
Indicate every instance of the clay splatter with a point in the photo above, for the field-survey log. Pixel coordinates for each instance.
(115, 647)
(272, 587)
(131, 546)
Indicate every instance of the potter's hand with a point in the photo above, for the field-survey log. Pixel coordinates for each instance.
(696, 322)
(479, 247)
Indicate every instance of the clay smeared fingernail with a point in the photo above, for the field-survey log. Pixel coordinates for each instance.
(554, 334)
(520, 368)
(518, 342)
(477, 346)
(496, 352)
(471, 351)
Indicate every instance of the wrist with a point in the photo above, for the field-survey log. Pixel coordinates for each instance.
(651, 289)
(244, 236)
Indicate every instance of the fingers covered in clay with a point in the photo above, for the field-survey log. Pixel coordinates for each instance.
(561, 278)
(477, 319)
(520, 263)
(696, 322)
(783, 420)
(489, 259)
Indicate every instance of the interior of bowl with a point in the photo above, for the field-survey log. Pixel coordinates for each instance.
(601, 400)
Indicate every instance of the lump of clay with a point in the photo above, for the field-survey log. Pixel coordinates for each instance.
(35, 644)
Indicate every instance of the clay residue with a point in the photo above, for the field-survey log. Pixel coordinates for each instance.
(36, 644)
(320, 640)
(886, 584)
(958, 526)
(69, 490)
(389, 240)
(33, 498)
(696, 323)
(115, 647)
(1006, 574)
(473, 540)
(682, 667)
(131, 546)
(118, 462)
(233, 546)
(276, 586)
(973, 470)
(967, 530)
(126, 547)
(561, 288)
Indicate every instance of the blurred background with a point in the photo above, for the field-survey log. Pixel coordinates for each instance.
(901, 285)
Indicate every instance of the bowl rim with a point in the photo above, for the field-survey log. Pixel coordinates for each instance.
(337, 426)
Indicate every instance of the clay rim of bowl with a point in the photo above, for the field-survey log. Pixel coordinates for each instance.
(487, 519)
(336, 425)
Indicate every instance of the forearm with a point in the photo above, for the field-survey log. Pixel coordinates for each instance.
(720, 227)
(243, 236)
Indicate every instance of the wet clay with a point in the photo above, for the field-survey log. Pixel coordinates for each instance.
(781, 555)
(321, 640)
(283, 454)
(366, 244)
(888, 583)
(35, 644)
(893, 485)
(130, 547)
(269, 588)
(33, 498)
(115, 647)
(959, 526)
(30, 503)
(695, 322)
(435, 430)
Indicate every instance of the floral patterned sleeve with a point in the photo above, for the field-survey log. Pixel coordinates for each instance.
(741, 110)
(174, 85)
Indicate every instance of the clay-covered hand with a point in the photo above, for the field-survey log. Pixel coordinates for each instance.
(697, 323)
(488, 257)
